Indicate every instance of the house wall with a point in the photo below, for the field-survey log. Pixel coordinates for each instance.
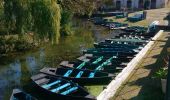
(160, 3)
(135, 3)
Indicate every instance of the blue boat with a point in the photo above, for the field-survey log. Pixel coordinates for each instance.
(96, 59)
(110, 50)
(108, 65)
(80, 76)
(110, 44)
(56, 87)
(136, 29)
(123, 52)
(18, 94)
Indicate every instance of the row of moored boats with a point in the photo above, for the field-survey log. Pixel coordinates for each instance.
(98, 66)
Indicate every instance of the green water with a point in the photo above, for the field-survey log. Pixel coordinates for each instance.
(16, 70)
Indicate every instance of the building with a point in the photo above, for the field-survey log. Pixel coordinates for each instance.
(140, 4)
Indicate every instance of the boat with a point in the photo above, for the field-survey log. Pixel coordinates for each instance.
(57, 87)
(105, 68)
(115, 25)
(136, 29)
(145, 36)
(83, 77)
(107, 44)
(132, 36)
(97, 58)
(128, 53)
(109, 65)
(126, 44)
(110, 50)
(137, 34)
(18, 94)
(127, 39)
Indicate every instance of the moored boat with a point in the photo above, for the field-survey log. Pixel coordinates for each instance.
(110, 50)
(57, 87)
(116, 45)
(127, 39)
(83, 77)
(109, 65)
(92, 58)
(128, 53)
(18, 94)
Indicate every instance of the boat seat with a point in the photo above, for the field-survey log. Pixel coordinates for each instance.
(79, 74)
(99, 67)
(69, 91)
(91, 75)
(81, 65)
(61, 87)
(46, 86)
(42, 81)
(97, 60)
(68, 73)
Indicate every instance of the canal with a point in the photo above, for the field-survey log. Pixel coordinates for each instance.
(16, 70)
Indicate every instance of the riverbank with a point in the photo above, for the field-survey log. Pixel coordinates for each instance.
(140, 85)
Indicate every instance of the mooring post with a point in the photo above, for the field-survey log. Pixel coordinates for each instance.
(167, 93)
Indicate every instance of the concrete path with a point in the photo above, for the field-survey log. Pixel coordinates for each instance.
(141, 85)
(158, 14)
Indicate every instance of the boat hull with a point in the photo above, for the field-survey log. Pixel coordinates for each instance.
(100, 80)
(52, 96)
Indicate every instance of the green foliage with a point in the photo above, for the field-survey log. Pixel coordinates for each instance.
(162, 73)
(46, 16)
(66, 22)
(81, 7)
(11, 44)
(40, 16)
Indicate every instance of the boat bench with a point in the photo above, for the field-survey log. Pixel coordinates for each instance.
(69, 91)
(79, 74)
(61, 87)
(46, 86)
(68, 73)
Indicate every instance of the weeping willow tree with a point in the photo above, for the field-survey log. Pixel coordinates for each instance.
(46, 17)
(40, 16)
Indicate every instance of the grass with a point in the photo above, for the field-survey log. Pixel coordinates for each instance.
(95, 89)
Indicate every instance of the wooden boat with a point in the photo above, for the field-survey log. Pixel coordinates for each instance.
(115, 25)
(97, 58)
(107, 66)
(132, 36)
(56, 87)
(110, 50)
(115, 45)
(128, 40)
(128, 53)
(131, 44)
(18, 94)
(145, 36)
(83, 77)
(136, 29)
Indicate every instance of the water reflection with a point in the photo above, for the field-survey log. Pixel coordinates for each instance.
(18, 73)
(42, 55)
(10, 77)
(31, 64)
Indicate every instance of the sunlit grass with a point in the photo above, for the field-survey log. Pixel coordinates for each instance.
(95, 89)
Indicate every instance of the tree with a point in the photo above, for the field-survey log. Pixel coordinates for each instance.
(46, 17)
(40, 16)
(82, 7)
